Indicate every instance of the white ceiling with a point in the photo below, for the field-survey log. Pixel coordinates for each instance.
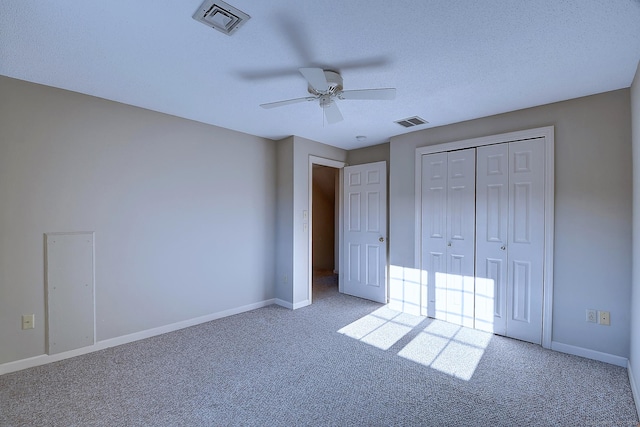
(450, 60)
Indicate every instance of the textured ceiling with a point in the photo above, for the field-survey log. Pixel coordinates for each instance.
(449, 60)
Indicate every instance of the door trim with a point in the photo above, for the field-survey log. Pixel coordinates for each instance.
(543, 132)
(315, 160)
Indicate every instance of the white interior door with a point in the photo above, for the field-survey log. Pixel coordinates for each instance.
(365, 231)
(525, 248)
(492, 211)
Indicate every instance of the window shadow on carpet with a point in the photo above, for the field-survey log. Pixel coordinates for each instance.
(445, 347)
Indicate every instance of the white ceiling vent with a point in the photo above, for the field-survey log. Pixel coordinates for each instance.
(411, 121)
(221, 16)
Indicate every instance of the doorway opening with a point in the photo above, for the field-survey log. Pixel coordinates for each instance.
(325, 220)
(359, 229)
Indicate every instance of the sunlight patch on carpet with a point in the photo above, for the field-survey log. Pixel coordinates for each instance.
(448, 348)
(382, 328)
(445, 347)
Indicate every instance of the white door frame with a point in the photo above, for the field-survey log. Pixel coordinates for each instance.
(314, 160)
(544, 132)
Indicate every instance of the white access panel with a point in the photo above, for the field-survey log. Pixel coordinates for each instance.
(365, 231)
(492, 211)
(70, 291)
(526, 240)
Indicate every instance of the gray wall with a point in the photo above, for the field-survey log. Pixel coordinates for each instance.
(374, 153)
(183, 212)
(302, 150)
(284, 228)
(634, 360)
(592, 262)
(294, 175)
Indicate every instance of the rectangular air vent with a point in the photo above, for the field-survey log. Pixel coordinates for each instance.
(221, 16)
(411, 121)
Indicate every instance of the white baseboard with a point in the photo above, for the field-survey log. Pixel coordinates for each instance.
(589, 354)
(43, 359)
(287, 304)
(301, 304)
(634, 388)
(283, 303)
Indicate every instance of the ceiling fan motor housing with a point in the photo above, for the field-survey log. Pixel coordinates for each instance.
(334, 81)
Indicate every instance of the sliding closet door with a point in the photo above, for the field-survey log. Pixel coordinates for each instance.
(492, 211)
(448, 223)
(526, 240)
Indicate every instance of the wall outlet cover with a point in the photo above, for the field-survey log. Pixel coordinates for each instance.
(28, 321)
(604, 318)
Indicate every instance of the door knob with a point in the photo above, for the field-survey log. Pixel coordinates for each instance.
(381, 239)
(449, 244)
(503, 248)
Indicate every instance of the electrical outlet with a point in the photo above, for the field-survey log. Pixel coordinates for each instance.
(285, 279)
(592, 315)
(28, 321)
(603, 318)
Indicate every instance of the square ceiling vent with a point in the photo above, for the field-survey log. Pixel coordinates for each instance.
(221, 16)
(412, 121)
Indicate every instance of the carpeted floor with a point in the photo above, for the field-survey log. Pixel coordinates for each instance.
(342, 361)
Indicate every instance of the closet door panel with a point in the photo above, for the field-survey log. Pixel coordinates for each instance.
(526, 240)
(434, 234)
(492, 210)
(461, 237)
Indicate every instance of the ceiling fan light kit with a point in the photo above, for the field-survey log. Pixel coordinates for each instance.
(332, 82)
(326, 86)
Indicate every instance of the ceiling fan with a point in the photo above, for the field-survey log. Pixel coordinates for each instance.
(325, 86)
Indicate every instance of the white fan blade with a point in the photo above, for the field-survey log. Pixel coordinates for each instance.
(377, 94)
(332, 113)
(287, 102)
(316, 78)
